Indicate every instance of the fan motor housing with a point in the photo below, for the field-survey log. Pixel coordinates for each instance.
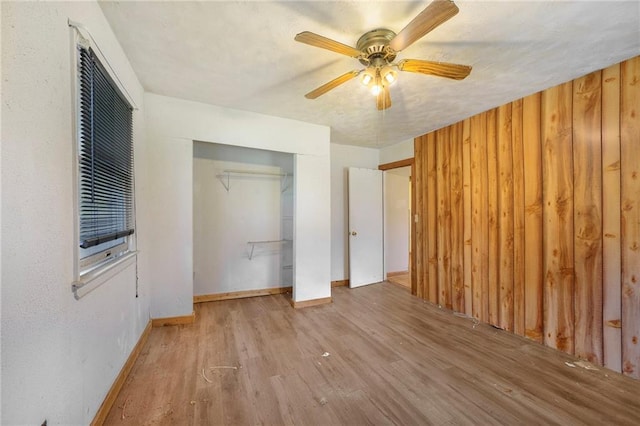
(374, 44)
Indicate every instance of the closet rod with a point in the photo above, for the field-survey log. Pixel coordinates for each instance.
(254, 172)
(228, 172)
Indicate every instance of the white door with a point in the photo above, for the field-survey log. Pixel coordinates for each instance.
(366, 243)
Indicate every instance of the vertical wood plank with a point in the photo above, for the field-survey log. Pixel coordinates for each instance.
(418, 243)
(505, 217)
(427, 279)
(479, 218)
(493, 264)
(466, 189)
(518, 219)
(557, 214)
(432, 224)
(533, 265)
(412, 246)
(612, 336)
(457, 220)
(630, 221)
(587, 218)
(443, 157)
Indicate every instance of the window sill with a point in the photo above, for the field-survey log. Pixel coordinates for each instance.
(95, 278)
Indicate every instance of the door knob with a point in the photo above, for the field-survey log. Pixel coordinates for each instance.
(354, 233)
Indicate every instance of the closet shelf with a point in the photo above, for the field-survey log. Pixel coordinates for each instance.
(226, 174)
(253, 244)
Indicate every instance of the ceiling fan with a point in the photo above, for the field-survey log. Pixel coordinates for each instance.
(377, 50)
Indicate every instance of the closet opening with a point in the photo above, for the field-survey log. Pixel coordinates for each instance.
(243, 222)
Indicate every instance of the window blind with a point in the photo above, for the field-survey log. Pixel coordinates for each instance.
(105, 156)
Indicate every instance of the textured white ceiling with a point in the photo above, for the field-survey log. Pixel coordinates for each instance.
(242, 55)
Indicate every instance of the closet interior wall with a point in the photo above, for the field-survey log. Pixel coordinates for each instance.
(243, 219)
(529, 217)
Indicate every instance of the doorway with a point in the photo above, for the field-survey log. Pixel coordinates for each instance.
(398, 223)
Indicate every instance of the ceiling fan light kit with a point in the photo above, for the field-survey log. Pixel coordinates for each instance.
(377, 51)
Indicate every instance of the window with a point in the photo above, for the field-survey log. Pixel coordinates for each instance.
(105, 165)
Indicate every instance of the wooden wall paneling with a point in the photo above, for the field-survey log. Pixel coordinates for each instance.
(413, 239)
(493, 262)
(548, 215)
(558, 217)
(432, 221)
(533, 266)
(505, 217)
(587, 216)
(457, 219)
(466, 189)
(443, 156)
(612, 337)
(518, 218)
(479, 218)
(417, 244)
(630, 221)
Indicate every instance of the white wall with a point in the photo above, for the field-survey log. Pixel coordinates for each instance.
(312, 227)
(59, 355)
(343, 157)
(396, 220)
(397, 152)
(169, 203)
(173, 124)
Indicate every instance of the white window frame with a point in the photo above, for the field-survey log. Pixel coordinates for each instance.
(94, 269)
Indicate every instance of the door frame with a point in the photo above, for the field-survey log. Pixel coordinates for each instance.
(396, 165)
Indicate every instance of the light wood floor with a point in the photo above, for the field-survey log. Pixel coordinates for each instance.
(403, 280)
(377, 355)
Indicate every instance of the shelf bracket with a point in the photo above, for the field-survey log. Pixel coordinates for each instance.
(221, 178)
(285, 183)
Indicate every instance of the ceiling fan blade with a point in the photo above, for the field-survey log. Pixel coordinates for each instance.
(438, 12)
(331, 85)
(326, 43)
(383, 101)
(440, 69)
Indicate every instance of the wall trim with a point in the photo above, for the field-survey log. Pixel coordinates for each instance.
(184, 319)
(340, 283)
(396, 273)
(241, 294)
(312, 302)
(396, 164)
(111, 396)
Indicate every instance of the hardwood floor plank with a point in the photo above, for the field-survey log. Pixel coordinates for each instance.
(377, 355)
